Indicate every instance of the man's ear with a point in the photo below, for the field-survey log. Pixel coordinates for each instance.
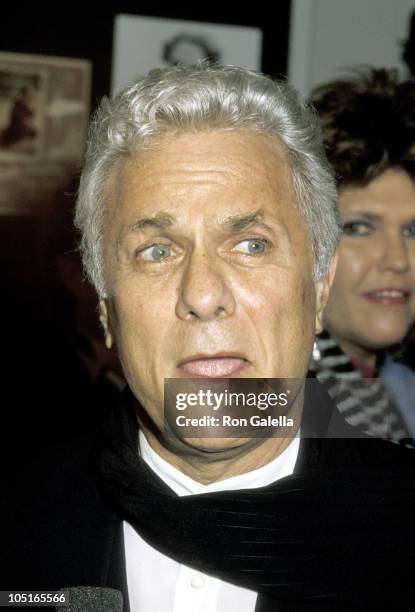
(105, 322)
(323, 287)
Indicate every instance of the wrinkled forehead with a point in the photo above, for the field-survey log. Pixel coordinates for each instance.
(239, 166)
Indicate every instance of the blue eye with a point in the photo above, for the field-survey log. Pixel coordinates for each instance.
(252, 246)
(155, 252)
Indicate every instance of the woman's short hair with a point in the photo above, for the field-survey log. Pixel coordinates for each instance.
(183, 99)
(368, 124)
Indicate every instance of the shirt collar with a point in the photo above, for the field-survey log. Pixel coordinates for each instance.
(281, 466)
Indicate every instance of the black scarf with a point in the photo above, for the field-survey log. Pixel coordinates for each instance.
(335, 532)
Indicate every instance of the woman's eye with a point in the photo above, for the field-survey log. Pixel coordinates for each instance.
(357, 228)
(155, 252)
(251, 247)
(409, 231)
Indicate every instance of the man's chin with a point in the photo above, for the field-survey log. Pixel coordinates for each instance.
(214, 446)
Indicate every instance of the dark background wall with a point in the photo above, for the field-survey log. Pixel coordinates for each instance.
(88, 34)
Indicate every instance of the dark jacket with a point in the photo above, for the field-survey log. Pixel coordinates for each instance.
(59, 532)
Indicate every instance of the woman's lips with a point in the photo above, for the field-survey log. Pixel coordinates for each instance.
(215, 367)
(388, 297)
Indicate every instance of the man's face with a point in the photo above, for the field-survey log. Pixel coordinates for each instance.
(208, 264)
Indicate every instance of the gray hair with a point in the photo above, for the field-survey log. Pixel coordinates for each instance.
(199, 99)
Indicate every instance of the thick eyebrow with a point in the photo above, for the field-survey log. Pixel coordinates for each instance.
(362, 214)
(239, 223)
(159, 221)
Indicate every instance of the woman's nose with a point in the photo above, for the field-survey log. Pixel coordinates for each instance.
(394, 254)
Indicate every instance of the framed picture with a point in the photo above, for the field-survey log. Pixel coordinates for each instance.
(44, 107)
(143, 43)
(21, 111)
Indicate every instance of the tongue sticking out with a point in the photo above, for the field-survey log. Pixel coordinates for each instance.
(214, 368)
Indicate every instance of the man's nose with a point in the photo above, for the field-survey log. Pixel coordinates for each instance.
(394, 253)
(204, 292)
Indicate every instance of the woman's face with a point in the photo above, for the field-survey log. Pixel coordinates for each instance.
(372, 302)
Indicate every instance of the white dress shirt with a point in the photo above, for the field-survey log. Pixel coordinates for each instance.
(157, 583)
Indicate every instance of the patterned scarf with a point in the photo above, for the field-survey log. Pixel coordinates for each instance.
(364, 403)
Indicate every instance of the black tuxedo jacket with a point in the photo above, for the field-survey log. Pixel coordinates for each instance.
(59, 532)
